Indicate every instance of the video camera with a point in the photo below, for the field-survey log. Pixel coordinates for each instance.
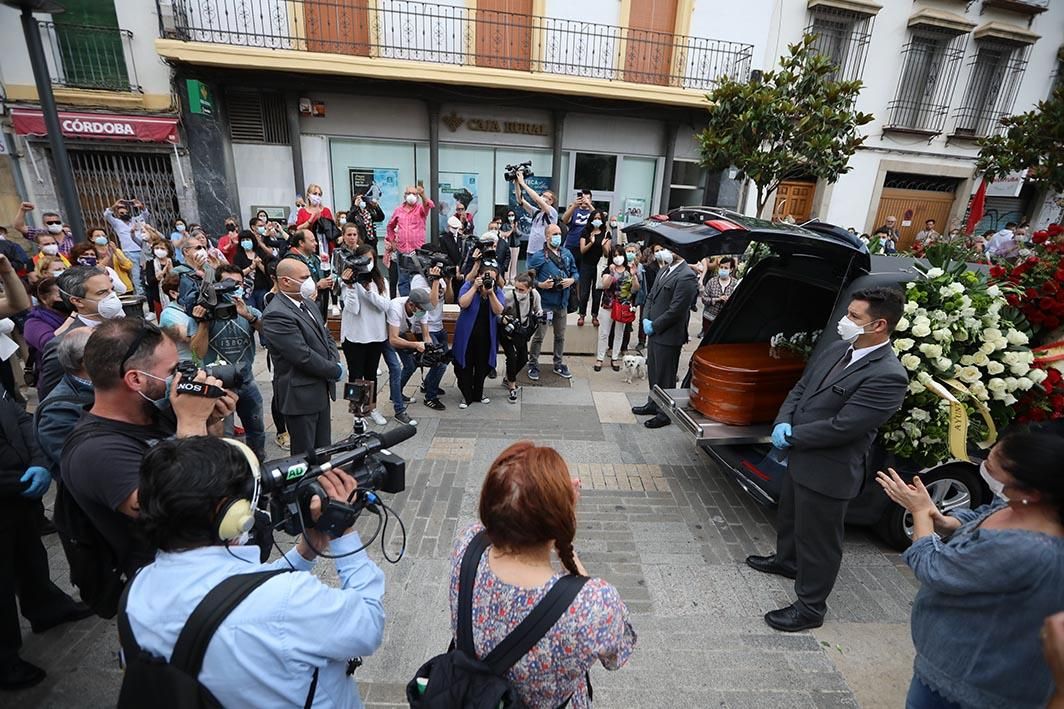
(361, 267)
(525, 168)
(433, 355)
(487, 245)
(216, 299)
(230, 376)
(424, 259)
(291, 483)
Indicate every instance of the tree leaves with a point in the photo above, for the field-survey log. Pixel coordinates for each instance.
(1032, 140)
(794, 120)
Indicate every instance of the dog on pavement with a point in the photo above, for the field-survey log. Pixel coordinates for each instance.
(635, 367)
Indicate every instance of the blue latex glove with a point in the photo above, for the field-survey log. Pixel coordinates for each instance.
(38, 478)
(340, 375)
(648, 327)
(780, 434)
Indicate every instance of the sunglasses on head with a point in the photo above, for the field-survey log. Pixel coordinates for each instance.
(147, 328)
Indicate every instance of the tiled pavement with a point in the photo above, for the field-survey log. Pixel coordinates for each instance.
(655, 519)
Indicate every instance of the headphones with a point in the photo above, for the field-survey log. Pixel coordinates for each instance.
(237, 515)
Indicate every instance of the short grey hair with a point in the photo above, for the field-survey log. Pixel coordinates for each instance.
(72, 281)
(71, 349)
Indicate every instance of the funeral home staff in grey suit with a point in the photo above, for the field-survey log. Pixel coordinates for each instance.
(306, 364)
(826, 425)
(665, 317)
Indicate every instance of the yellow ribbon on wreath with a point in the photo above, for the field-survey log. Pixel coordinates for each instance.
(958, 417)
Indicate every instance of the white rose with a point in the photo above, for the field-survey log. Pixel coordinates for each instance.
(931, 351)
(910, 307)
(991, 333)
(1020, 369)
(946, 291)
(902, 325)
(969, 375)
(904, 344)
(1009, 400)
(993, 291)
(996, 385)
(1037, 376)
(924, 378)
(935, 272)
(956, 288)
(921, 330)
(910, 284)
(978, 390)
(910, 362)
(942, 334)
(1025, 383)
(1015, 337)
(987, 348)
(995, 367)
(979, 359)
(1012, 383)
(916, 388)
(943, 364)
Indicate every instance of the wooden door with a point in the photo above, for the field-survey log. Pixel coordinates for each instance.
(649, 48)
(504, 34)
(912, 208)
(337, 26)
(794, 198)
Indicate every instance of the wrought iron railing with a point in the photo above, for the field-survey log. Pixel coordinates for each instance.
(930, 65)
(997, 70)
(843, 37)
(447, 34)
(86, 57)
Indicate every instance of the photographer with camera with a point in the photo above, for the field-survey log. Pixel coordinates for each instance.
(555, 274)
(407, 335)
(434, 281)
(364, 323)
(543, 213)
(129, 362)
(487, 247)
(475, 333)
(290, 641)
(520, 319)
(343, 253)
(225, 334)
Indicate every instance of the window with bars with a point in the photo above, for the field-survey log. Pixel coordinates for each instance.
(931, 63)
(997, 70)
(257, 117)
(843, 37)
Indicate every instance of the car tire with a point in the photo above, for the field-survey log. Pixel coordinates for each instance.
(953, 486)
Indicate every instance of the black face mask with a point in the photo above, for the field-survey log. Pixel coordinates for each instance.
(125, 216)
(230, 227)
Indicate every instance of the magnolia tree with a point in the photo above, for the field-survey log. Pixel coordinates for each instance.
(791, 122)
(1032, 141)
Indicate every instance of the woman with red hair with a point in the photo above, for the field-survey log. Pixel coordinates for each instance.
(528, 513)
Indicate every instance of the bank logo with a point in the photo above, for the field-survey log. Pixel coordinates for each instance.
(453, 121)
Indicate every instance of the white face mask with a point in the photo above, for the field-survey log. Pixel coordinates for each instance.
(315, 199)
(55, 228)
(308, 287)
(664, 257)
(849, 330)
(411, 199)
(360, 204)
(596, 223)
(180, 227)
(613, 225)
(160, 253)
(50, 249)
(724, 273)
(996, 486)
(618, 260)
(110, 307)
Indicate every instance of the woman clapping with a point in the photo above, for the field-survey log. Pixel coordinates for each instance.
(475, 334)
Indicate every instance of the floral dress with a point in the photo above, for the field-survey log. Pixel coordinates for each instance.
(621, 287)
(596, 629)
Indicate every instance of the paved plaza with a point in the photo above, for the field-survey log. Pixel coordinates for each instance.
(656, 519)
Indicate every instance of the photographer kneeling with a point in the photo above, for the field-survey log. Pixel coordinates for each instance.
(225, 334)
(289, 641)
(475, 333)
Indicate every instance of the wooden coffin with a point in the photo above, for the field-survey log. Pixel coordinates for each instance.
(742, 384)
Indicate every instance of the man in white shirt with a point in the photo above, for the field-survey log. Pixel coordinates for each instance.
(436, 287)
(1003, 243)
(129, 229)
(543, 213)
(406, 315)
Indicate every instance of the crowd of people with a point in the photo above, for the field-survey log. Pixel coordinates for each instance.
(155, 504)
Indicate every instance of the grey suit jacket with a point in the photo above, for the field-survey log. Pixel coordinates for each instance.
(669, 304)
(304, 356)
(834, 419)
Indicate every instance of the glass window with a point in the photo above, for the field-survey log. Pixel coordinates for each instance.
(595, 172)
(686, 173)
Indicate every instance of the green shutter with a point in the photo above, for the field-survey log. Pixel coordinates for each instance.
(90, 45)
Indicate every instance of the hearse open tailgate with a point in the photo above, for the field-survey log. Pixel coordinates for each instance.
(675, 403)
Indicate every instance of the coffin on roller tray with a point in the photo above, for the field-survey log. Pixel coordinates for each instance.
(742, 384)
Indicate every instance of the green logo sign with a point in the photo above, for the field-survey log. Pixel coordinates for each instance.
(296, 471)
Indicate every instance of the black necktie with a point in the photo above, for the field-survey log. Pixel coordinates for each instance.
(840, 365)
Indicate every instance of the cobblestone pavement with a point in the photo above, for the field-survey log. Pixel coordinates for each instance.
(655, 519)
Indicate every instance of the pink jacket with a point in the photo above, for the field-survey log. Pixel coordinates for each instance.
(406, 228)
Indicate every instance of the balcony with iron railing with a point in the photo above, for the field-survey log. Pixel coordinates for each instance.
(86, 57)
(459, 36)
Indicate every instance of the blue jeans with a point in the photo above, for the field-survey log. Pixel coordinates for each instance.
(405, 277)
(134, 274)
(395, 376)
(435, 375)
(249, 409)
(923, 697)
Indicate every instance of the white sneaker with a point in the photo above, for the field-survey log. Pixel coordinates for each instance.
(378, 417)
(485, 400)
(463, 405)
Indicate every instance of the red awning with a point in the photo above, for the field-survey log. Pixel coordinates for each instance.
(98, 126)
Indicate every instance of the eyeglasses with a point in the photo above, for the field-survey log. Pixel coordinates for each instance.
(146, 329)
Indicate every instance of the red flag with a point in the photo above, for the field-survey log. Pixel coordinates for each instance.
(978, 207)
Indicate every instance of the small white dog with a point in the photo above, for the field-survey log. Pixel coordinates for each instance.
(635, 366)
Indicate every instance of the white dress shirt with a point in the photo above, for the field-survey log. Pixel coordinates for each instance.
(364, 317)
(859, 352)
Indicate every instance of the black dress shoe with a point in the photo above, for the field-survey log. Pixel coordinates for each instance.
(47, 526)
(16, 673)
(658, 421)
(647, 409)
(768, 565)
(76, 611)
(792, 620)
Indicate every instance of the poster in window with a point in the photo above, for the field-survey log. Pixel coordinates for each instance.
(376, 184)
(634, 210)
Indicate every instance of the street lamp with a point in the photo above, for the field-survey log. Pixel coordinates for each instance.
(68, 195)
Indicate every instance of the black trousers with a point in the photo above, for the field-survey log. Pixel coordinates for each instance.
(24, 574)
(663, 362)
(516, 352)
(589, 290)
(626, 338)
(324, 296)
(363, 358)
(471, 377)
(309, 431)
(809, 534)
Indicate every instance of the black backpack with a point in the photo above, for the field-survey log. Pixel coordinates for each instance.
(457, 678)
(151, 681)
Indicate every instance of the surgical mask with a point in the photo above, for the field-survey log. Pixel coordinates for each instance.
(57, 274)
(418, 314)
(343, 220)
(180, 227)
(307, 288)
(724, 272)
(511, 218)
(849, 330)
(521, 295)
(160, 253)
(996, 486)
(110, 307)
(247, 244)
(630, 256)
(55, 228)
(555, 241)
(100, 241)
(50, 249)
(664, 257)
(596, 223)
(199, 255)
(261, 230)
(618, 260)
(613, 224)
(360, 204)
(157, 403)
(315, 199)
(411, 199)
